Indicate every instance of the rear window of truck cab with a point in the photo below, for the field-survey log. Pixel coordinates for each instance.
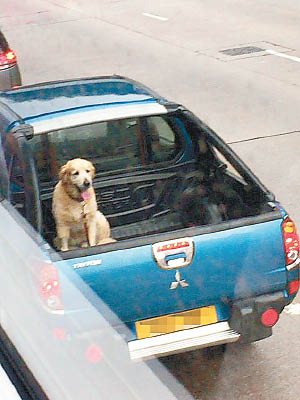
(111, 146)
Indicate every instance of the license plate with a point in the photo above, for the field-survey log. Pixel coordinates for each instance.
(176, 322)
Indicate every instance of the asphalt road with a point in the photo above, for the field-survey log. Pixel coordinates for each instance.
(251, 100)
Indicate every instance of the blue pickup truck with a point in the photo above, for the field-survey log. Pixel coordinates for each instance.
(204, 254)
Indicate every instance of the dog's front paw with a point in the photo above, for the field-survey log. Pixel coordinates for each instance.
(64, 244)
(64, 249)
(106, 241)
(58, 245)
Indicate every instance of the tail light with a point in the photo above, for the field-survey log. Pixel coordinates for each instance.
(291, 241)
(293, 286)
(8, 59)
(49, 288)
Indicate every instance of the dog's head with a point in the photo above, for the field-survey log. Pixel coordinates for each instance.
(77, 172)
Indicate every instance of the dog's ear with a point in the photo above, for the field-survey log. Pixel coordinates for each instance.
(63, 173)
(93, 169)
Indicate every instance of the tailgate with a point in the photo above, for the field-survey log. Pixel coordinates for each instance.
(229, 264)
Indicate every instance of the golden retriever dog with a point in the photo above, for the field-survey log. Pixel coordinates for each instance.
(78, 220)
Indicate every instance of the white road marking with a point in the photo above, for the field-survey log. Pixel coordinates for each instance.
(155, 17)
(293, 309)
(275, 53)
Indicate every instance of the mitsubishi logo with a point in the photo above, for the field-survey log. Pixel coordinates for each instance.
(178, 281)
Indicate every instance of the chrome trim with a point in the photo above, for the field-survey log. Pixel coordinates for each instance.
(293, 265)
(160, 256)
(186, 340)
(82, 117)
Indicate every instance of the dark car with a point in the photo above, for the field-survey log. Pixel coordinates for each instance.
(9, 71)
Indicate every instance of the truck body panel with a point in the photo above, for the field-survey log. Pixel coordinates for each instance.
(226, 265)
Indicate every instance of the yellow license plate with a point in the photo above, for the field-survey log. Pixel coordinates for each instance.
(176, 322)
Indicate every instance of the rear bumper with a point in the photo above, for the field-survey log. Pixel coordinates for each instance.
(189, 339)
(246, 315)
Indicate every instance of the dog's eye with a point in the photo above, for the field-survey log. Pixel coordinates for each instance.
(88, 170)
(75, 173)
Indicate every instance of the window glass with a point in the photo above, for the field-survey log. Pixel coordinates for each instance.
(163, 139)
(15, 174)
(112, 145)
(227, 165)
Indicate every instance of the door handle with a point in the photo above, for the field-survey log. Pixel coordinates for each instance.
(174, 254)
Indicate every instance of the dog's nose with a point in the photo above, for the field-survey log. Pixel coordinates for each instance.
(86, 183)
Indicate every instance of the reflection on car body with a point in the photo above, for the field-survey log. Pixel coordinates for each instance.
(49, 364)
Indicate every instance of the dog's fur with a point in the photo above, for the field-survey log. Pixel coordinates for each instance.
(78, 220)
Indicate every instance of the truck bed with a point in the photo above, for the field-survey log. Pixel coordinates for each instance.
(153, 203)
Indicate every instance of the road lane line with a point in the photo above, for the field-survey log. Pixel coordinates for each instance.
(155, 17)
(275, 53)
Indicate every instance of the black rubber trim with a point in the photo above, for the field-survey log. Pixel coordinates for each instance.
(246, 315)
(22, 134)
(176, 234)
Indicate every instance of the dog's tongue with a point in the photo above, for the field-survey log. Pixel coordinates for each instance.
(85, 195)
